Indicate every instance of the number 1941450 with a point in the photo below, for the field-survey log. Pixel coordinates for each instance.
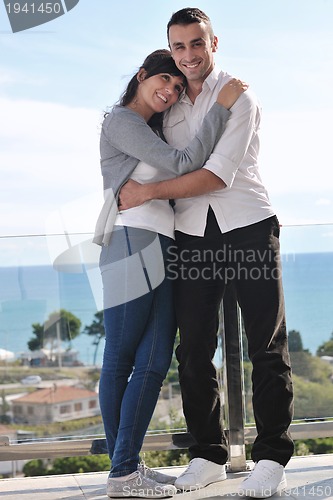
(323, 491)
(34, 8)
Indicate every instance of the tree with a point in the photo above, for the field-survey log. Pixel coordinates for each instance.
(73, 465)
(68, 324)
(96, 329)
(245, 343)
(4, 418)
(36, 342)
(310, 368)
(312, 399)
(172, 375)
(326, 349)
(35, 467)
(295, 343)
(70, 465)
(60, 326)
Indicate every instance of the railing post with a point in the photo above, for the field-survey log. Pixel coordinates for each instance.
(233, 369)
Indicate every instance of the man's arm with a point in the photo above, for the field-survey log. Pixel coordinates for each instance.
(195, 183)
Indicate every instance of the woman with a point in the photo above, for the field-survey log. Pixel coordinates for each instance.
(139, 317)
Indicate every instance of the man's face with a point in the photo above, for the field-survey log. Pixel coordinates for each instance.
(192, 49)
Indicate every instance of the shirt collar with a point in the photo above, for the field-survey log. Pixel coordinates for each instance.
(210, 82)
(212, 78)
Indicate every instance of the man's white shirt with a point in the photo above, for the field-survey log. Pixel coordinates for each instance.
(244, 200)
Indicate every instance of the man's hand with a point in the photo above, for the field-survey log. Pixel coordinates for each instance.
(132, 194)
(202, 181)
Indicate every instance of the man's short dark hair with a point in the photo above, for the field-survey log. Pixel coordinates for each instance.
(190, 15)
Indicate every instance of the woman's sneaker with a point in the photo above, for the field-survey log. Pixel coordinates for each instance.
(159, 477)
(138, 485)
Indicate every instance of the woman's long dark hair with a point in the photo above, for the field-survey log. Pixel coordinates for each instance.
(159, 61)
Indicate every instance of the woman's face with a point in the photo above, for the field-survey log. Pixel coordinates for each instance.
(157, 93)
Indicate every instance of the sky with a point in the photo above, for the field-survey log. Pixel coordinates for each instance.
(57, 79)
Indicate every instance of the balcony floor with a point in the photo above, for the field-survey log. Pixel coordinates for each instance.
(308, 477)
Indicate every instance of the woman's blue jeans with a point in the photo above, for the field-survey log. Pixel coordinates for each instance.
(139, 339)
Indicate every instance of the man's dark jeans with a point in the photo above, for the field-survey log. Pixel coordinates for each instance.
(250, 258)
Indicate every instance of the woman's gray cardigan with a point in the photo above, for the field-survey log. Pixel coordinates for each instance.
(126, 139)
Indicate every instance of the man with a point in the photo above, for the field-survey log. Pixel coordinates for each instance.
(226, 230)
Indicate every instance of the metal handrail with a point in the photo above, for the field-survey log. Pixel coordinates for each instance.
(152, 442)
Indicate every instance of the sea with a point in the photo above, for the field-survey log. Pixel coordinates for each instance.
(29, 294)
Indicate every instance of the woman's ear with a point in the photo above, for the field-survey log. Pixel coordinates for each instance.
(141, 75)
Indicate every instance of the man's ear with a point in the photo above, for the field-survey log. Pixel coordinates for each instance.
(215, 44)
(141, 75)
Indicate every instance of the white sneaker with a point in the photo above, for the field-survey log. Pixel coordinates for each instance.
(267, 478)
(138, 486)
(200, 473)
(159, 477)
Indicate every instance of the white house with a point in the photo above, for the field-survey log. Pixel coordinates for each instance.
(50, 357)
(55, 404)
(7, 467)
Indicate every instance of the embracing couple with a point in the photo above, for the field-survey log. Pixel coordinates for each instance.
(179, 164)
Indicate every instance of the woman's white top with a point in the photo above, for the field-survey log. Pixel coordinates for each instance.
(154, 215)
